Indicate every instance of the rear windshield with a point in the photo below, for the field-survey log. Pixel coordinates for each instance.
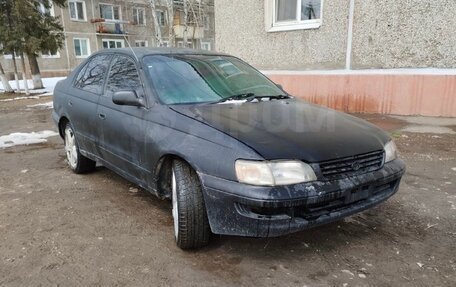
(185, 79)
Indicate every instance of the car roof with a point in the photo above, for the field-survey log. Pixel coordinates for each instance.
(141, 51)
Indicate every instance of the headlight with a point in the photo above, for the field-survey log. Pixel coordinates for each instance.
(390, 151)
(273, 173)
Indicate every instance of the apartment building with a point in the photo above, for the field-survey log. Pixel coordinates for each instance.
(91, 25)
(389, 56)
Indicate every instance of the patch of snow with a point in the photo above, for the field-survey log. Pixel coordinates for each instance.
(48, 83)
(361, 275)
(348, 272)
(428, 129)
(47, 105)
(25, 138)
(24, 171)
(420, 264)
(20, 98)
(453, 168)
(402, 71)
(234, 102)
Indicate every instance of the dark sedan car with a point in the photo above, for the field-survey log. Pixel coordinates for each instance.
(234, 152)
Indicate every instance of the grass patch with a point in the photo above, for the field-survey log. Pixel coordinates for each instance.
(396, 134)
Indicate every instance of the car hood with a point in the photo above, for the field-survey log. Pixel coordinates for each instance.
(290, 129)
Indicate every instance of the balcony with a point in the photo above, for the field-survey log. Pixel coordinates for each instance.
(111, 27)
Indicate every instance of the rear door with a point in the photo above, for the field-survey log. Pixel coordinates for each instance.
(122, 129)
(82, 102)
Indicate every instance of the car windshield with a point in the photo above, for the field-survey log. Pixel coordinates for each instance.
(186, 79)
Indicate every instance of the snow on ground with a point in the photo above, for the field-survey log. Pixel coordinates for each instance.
(14, 139)
(49, 85)
(47, 105)
(23, 98)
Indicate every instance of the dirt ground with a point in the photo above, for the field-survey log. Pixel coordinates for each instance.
(62, 229)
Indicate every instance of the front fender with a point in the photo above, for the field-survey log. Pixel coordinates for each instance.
(206, 149)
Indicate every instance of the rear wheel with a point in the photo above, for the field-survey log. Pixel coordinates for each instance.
(78, 163)
(191, 226)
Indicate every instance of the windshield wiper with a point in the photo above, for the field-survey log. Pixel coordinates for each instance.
(276, 97)
(246, 96)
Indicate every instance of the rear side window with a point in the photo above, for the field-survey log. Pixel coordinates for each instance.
(123, 76)
(91, 77)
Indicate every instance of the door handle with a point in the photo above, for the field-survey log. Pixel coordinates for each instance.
(70, 103)
(102, 116)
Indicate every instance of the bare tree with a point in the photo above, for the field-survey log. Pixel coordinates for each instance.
(24, 75)
(170, 11)
(16, 75)
(6, 86)
(157, 28)
(185, 36)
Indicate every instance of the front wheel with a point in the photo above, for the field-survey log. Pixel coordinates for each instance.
(78, 163)
(191, 226)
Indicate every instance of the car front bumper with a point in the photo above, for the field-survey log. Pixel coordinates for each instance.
(245, 210)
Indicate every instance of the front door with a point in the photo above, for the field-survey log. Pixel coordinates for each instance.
(122, 129)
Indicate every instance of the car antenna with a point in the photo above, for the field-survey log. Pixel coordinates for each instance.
(129, 46)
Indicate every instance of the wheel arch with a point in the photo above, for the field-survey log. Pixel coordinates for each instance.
(162, 172)
(61, 126)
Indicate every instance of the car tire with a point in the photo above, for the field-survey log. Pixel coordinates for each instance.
(191, 226)
(77, 162)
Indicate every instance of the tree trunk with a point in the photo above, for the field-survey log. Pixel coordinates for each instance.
(170, 6)
(158, 34)
(24, 75)
(185, 36)
(16, 76)
(6, 86)
(35, 71)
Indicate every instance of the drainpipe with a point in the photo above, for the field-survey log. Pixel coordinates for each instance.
(350, 35)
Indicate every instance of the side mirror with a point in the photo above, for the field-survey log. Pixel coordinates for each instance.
(279, 86)
(127, 98)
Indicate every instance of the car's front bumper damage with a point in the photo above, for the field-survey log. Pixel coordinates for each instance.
(244, 210)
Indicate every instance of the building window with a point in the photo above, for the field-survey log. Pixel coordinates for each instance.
(112, 44)
(285, 15)
(161, 18)
(48, 54)
(180, 44)
(110, 12)
(141, 43)
(81, 47)
(138, 16)
(206, 46)
(207, 22)
(165, 44)
(77, 10)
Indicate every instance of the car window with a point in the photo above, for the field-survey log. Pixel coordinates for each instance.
(123, 76)
(184, 79)
(91, 77)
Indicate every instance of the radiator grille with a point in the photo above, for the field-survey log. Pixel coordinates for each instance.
(352, 165)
